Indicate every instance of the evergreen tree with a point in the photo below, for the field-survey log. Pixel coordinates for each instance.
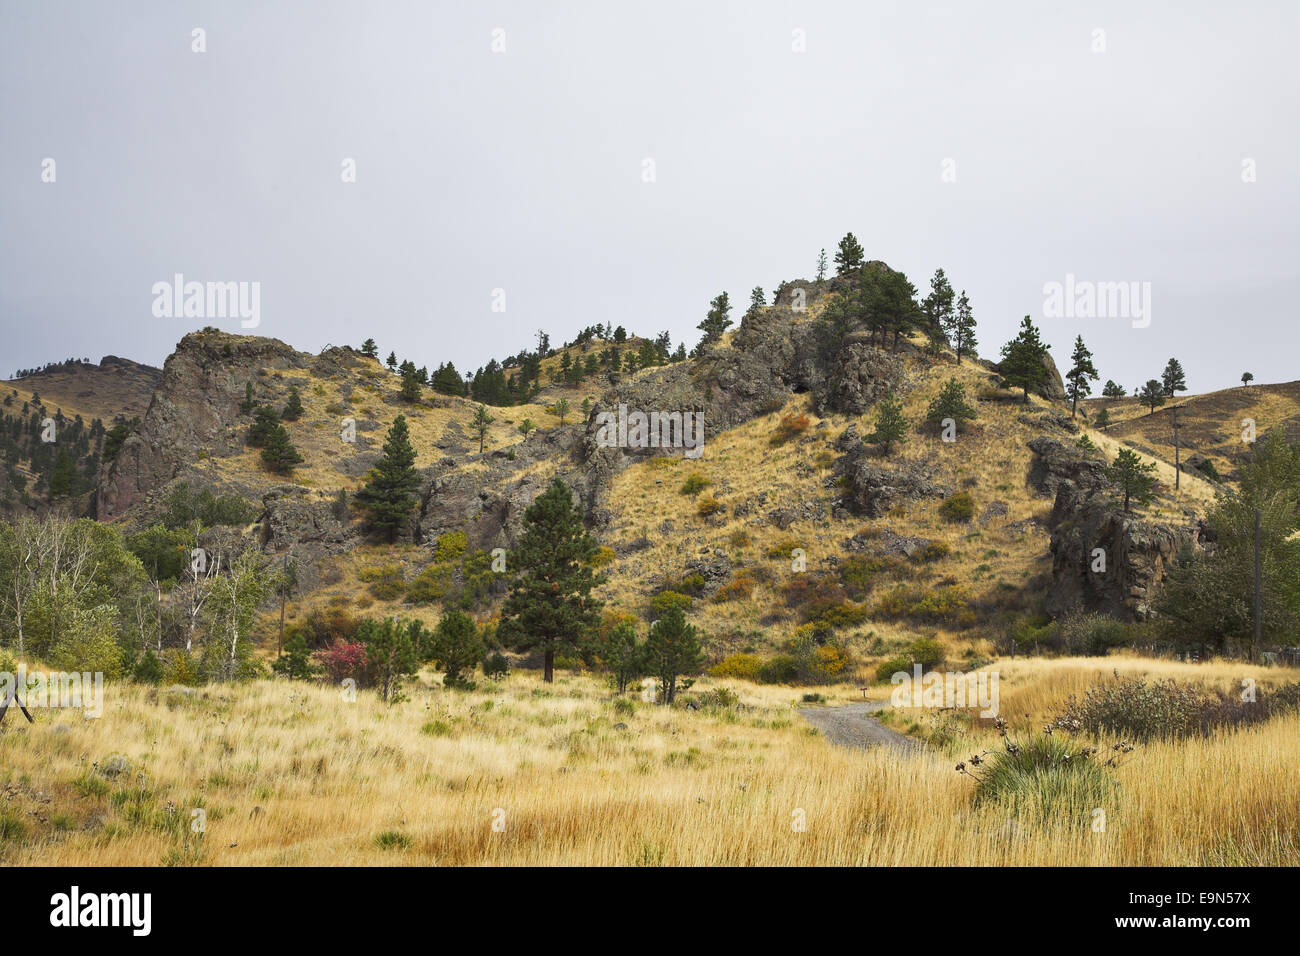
(389, 495)
(757, 300)
(526, 426)
(1152, 395)
(671, 650)
(265, 422)
(391, 361)
(1103, 418)
(1172, 380)
(369, 349)
(622, 654)
(293, 407)
(63, 475)
(950, 404)
(245, 406)
(550, 607)
(1022, 359)
(849, 257)
(1135, 479)
(718, 319)
(1246, 379)
(391, 653)
(480, 424)
(1113, 389)
(279, 454)
(448, 381)
(821, 265)
(456, 648)
(962, 331)
(891, 426)
(410, 385)
(561, 408)
(1081, 370)
(938, 311)
(295, 663)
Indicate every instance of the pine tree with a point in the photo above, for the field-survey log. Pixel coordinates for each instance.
(1152, 394)
(389, 495)
(962, 331)
(265, 422)
(457, 647)
(1134, 478)
(245, 406)
(1103, 418)
(950, 404)
(1113, 389)
(391, 653)
(63, 475)
(821, 265)
(561, 408)
(550, 606)
(938, 311)
(671, 650)
(1081, 370)
(622, 654)
(526, 426)
(410, 390)
(1022, 359)
(391, 361)
(849, 257)
(1172, 379)
(757, 300)
(891, 426)
(279, 454)
(480, 424)
(717, 321)
(293, 407)
(369, 349)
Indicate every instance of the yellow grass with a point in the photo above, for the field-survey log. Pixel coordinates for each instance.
(292, 774)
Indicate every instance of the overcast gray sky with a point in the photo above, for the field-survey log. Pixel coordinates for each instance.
(522, 170)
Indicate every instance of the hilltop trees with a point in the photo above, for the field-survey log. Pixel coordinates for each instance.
(821, 265)
(550, 606)
(849, 257)
(389, 495)
(369, 349)
(938, 311)
(1022, 359)
(1113, 389)
(1246, 378)
(717, 321)
(1152, 394)
(962, 331)
(1172, 379)
(757, 300)
(1134, 477)
(1081, 370)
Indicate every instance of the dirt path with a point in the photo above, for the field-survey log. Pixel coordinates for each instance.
(852, 725)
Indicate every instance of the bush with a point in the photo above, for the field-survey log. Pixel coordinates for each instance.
(791, 426)
(708, 507)
(694, 484)
(859, 573)
(148, 669)
(926, 651)
(1088, 634)
(784, 549)
(948, 604)
(782, 669)
(691, 584)
(343, 660)
(739, 538)
(664, 600)
(450, 546)
(1167, 709)
(495, 666)
(180, 668)
(431, 585)
(387, 582)
(1046, 776)
(740, 666)
(602, 557)
(958, 508)
(738, 589)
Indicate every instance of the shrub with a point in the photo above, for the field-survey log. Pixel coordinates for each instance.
(958, 508)
(859, 573)
(739, 538)
(1146, 710)
(694, 484)
(782, 669)
(450, 546)
(842, 615)
(691, 584)
(1089, 634)
(740, 666)
(948, 604)
(708, 507)
(180, 668)
(1045, 776)
(495, 666)
(738, 589)
(148, 669)
(602, 557)
(387, 582)
(343, 660)
(792, 425)
(662, 602)
(926, 651)
(933, 551)
(783, 549)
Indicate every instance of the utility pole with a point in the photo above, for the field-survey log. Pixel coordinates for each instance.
(1258, 600)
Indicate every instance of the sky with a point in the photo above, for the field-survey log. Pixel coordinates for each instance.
(554, 165)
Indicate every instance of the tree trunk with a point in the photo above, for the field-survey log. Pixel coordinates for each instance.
(548, 672)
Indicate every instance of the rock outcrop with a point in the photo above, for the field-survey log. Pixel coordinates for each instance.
(871, 489)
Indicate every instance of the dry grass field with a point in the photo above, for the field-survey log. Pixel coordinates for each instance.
(524, 773)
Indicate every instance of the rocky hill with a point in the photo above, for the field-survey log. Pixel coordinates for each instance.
(789, 518)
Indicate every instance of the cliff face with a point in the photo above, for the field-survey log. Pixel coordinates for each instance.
(193, 412)
(1103, 558)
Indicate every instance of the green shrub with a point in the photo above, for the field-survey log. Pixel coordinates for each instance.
(694, 484)
(947, 604)
(661, 602)
(148, 669)
(387, 582)
(740, 666)
(1045, 777)
(495, 665)
(958, 508)
(782, 669)
(450, 546)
